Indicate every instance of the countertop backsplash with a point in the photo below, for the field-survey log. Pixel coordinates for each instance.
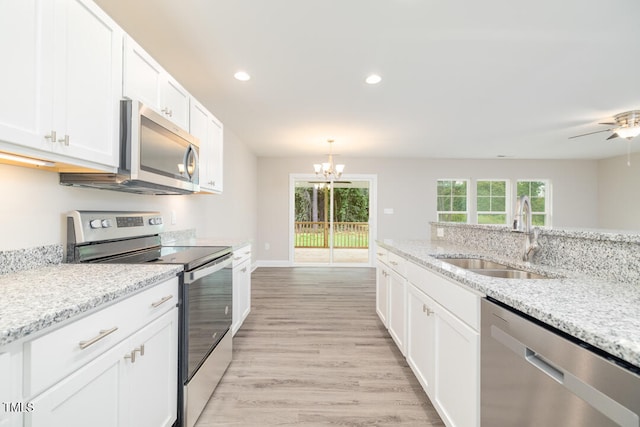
(608, 255)
(169, 237)
(29, 259)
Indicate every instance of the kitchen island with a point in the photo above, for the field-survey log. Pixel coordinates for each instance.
(603, 314)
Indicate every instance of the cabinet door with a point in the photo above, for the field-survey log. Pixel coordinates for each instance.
(397, 309)
(209, 131)
(143, 76)
(241, 294)
(421, 337)
(87, 72)
(175, 102)
(152, 376)
(27, 47)
(199, 127)
(382, 293)
(215, 161)
(89, 397)
(458, 367)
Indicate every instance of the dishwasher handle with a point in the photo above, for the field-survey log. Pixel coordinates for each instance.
(536, 360)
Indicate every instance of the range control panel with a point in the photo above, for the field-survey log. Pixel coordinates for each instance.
(96, 226)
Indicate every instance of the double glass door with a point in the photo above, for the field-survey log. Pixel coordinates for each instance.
(331, 222)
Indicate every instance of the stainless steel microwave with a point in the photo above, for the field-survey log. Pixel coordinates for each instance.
(156, 156)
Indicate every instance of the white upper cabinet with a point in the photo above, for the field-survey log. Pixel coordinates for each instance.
(146, 81)
(61, 81)
(205, 127)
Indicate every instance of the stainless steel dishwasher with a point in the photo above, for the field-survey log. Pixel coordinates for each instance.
(534, 375)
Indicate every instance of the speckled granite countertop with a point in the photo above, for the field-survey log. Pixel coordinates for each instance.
(603, 314)
(36, 299)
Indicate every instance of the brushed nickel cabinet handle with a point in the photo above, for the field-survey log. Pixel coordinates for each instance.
(65, 140)
(51, 136)
(103, 333)
(132, 355)
(244, 270)
(427, 310)
(393, 263)
(162, 301)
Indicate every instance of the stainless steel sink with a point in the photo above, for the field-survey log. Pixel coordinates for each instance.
(510, 274)
(493, 269)
(473, 263)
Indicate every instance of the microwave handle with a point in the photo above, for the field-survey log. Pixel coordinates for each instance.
(187, 155)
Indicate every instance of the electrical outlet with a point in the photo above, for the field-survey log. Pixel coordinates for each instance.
(440, 231)
(174, 218)
(267, 246)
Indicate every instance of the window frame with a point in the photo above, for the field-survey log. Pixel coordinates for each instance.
(547, 213)
(466, 212)
(507, 202)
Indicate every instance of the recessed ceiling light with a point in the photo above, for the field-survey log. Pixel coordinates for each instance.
(243, 76)
(373, 79)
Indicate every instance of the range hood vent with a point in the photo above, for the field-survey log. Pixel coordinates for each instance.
(117, 182)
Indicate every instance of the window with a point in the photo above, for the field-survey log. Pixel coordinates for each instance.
(538, 192)
(452, 200)
(491, 201)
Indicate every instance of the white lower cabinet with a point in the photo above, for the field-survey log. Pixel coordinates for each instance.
(397, 309)
(421, 338)
(241, 286)
(435, 322)
(382, 292)
(458, 371)
(128, 381)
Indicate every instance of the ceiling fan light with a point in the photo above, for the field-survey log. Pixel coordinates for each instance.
(628, 132)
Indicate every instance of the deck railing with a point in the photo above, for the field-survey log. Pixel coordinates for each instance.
(309, 234)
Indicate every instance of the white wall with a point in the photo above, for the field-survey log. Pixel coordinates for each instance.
(619, 194)
(33, 204)
(409, 187)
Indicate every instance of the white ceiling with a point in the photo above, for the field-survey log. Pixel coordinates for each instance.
(461, 78)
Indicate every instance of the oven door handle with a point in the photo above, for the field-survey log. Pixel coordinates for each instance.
(190, 277)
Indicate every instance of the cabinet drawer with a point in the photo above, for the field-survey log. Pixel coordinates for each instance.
(461, 302)
(241, 255)
(52, 356)
(398, 263)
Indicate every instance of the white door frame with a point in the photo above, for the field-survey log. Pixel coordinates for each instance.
(373, 215)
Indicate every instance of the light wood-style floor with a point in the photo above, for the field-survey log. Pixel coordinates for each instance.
(314, 353)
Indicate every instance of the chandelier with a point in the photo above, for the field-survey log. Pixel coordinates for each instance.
(329, 170)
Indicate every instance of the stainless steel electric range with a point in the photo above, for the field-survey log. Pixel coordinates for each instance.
(205, 304)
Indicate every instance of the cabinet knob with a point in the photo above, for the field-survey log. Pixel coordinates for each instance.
(65, 140)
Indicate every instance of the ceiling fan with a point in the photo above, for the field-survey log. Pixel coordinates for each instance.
(627, 125)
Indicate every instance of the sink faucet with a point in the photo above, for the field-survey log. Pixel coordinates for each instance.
(522, 224)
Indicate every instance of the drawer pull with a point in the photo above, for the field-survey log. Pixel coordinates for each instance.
(162, 301)
(103, 333)
(244, 270)
(393, 263)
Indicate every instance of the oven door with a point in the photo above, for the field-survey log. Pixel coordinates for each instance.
(207, 304)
